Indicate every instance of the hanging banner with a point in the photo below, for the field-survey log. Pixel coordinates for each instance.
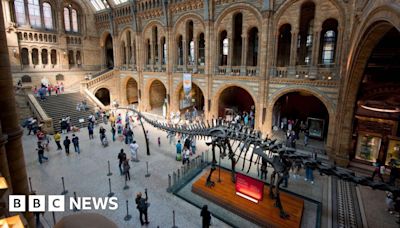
(187, 83)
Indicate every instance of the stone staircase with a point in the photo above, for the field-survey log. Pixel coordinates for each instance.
(65, 105)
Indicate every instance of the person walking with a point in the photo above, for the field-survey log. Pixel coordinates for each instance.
(102, 133)
(113, 131)
(179, 151)
(126, 168)
(90, 129)
(134, 151)
(57, 139)
(206, 217)
(66, 143)
(121, 158)
(75, 141)
(186, 155)
(40, 151)
(142, 206)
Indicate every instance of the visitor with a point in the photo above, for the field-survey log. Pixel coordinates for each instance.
(66, 143)
(133, 147)
(193, 145)
(126, 167)
(68, 121)
(142, 206)
(264, 169)
(102, 133)
(64, 126)
(179, 151)
(121, 159)
(49, 88)
(113, 131)
(112, 119)
(394, 171)
(90, 130)
(206, 217)
(78, 106)
(194, 113)
(35, 91)
(159, 141)
(62, 87)
(186, 156)
(40, 151)
(379, 169)
(57, 139)
(75, 141)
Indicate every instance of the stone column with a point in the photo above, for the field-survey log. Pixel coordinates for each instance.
(30, 57)
(49, 57)
(160, 54)
(293, 48)
(10, 125)
(230, 54)
(315, 50)
(244, 54)
(3, 159)
(40, 57)
(196, 53)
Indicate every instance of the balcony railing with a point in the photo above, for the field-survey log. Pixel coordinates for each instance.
(251, 71)
(320, 72)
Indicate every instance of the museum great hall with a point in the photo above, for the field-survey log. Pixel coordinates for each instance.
(332, 66)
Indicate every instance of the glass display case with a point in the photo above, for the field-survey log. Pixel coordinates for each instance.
(393, 150)
(316, 127)
(368, 146)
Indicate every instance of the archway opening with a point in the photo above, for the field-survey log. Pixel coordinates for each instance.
(109, 52)
(376, 130)
(132, 92)
(194, 100)
(157, 96)
(235, 101)
(301, 113)
(103, 95)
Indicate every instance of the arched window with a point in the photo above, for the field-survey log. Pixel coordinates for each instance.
(191, 52)
(71, 59)
(164, 52)
(252, 52)
(202, 50)
(148, 51)
(180, 50)
(34, 13)
(47, 16)
(20, 12)
(284, 41)
(35, 56)
(237, 40)
(45, 57)
(25, 56)
(155, 44)
(190, 44)
(328, 41)
(74, 16)
(305, 37)
(78, 58)
(223, 48)
(53, 57)
(67, 21)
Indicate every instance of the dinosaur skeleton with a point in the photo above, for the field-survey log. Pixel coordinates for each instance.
(224, 135)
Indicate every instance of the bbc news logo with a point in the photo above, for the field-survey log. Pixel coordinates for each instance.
(57, 203)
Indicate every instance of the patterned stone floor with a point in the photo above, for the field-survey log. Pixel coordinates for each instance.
(85, 174)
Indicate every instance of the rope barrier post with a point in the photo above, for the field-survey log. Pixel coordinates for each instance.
(30, 186)
(126, 186)
(169, 181)
(54, 218)
(174, 175)
(179, 174)
(147, 168)
(128, 216)
(109, 185)
(173, 220)
(109, 169)
(75, 209)
(64, 192)
(219, 170)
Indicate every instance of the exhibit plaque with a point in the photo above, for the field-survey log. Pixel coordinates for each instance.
(249, 186)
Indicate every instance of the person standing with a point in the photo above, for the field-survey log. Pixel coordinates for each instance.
(206, 217)
(102, 133)
(66, 143)
(142, 206)
(40, 151)
(134, 151)
(186, 155)
(306, 137)
(121, 158)
(57, 139)
(193, 145)
(75, 141)
(179, 151)
(90, 129)
(113, 131)
(126, 168)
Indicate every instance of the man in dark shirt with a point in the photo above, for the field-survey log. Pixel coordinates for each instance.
(121, 158)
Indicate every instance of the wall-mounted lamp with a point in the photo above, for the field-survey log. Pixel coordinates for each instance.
(3, 183)
(15, 52)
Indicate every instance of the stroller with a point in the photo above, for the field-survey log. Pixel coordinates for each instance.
(104, 141)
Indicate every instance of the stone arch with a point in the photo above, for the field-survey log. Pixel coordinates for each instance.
(318, 94)
(238, 7)
(104, 95)
(184, 17)
(178, 90)
(59, 77)
(26, 79)
(151, 23)
(380, 21)
(157, 101)
(103, 37)
(132, 90)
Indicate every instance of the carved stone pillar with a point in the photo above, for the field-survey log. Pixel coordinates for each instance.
(39, 57)
(196, 53)
(30, 57)
(315, 50)
(244, 54)
(293, 49)
(184, 47)
(10, 125)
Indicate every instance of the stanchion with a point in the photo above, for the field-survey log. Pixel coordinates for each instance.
(109, 185)
(128, 216)
(75, 209)
(126, 185)
(174, 175)
(30, 186)
(179, 174)
(147, 168)
(219, 170)
(63, 185)
(169, 181)
(173, 220)
(54, 218)
(109, 170)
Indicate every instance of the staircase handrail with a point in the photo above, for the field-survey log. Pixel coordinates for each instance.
(42, 116)
(93, 98)
(102, 77)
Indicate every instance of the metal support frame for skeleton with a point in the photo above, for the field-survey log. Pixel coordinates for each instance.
(280, 158)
